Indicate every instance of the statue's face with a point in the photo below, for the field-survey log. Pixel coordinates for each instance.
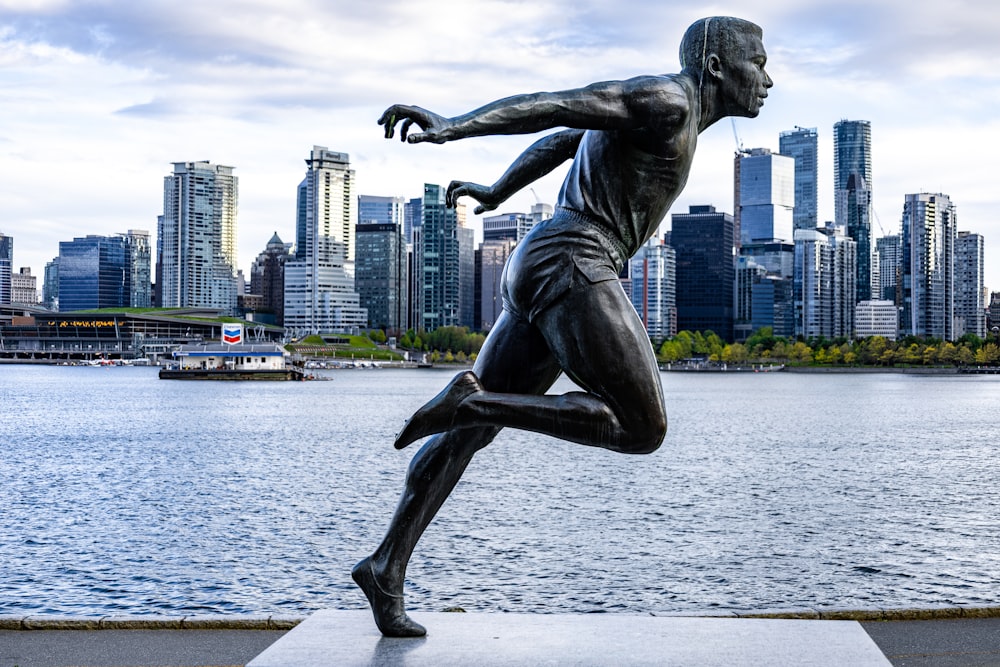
(745, 83)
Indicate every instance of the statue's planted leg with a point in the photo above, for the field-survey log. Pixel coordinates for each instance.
(514, 358)
(387, 608)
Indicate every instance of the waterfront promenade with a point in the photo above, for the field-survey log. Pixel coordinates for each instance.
(944, 637)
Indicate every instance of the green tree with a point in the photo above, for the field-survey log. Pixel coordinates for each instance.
(965, 356)
(948, 353)
(988, 354)
(670, 351)
(736, 353)
(930, 355)
(800, 352)
(912, 354)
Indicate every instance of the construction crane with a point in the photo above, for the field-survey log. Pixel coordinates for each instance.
(736, 136)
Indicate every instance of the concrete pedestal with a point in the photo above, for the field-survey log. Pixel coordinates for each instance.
(349, 638)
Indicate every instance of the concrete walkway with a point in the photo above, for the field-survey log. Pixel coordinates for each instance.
(931, 638)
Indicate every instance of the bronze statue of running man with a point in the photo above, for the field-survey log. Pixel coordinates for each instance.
(631, 144)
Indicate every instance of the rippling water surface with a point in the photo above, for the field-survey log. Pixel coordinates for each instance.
(125, 494)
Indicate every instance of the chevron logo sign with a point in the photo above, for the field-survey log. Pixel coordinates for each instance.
(232, 334)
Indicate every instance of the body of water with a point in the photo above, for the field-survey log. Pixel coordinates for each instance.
(124, 494)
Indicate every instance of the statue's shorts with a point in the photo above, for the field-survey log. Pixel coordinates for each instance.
(567, 252)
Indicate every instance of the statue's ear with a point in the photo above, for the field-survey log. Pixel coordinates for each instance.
(713, 65)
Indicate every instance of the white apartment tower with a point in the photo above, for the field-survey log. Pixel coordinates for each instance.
(824, 283)
(319, 282)
(970, 297)
(196, 239)
(928, 270)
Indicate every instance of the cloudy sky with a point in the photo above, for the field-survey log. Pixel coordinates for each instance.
(101, 96)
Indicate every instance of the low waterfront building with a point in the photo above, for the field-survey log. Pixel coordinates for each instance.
(876, 318)
(28, 334)
(219, 356)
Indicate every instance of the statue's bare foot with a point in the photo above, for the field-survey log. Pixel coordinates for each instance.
(438, 414)
(390, 614)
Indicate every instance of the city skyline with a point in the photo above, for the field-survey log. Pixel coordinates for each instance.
(116, 93)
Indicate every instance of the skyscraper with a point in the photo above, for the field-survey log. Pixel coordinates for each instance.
(970, 304)
(92, 273)
(50, 285)
(852, 194)
(490, 259)
(654, 289)
(801, 145)
(267, 278)
(507, 226)
(928, 271)
(764, 289)
(381, 261)
(138, 261)
(766, 196)
(196, 239)
(326, 210)
(824, 283)
(381, 210)
(319, 282)
(704, 242)
(445, 264)
(6, 267)
(889, 264)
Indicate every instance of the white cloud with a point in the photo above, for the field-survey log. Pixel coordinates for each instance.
(101, 96)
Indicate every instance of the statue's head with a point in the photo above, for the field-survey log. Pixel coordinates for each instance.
(728, 54)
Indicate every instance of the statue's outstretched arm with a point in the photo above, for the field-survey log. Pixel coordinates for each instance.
(610, 105)
(538, 160)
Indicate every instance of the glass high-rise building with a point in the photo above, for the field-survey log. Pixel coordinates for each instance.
(381, 261)
(92, 273)
(196, 240)
(766, 196)
(852, 195)
(764, 289)
(138, 262)
(102, 272)
(889, 264)
(50, 285)
(801, 144)
(705, 244)
(654, 289)
(490, 260)
(6, 267)
(928, 269)
(444, 261)
(970, 301)
(319, 283)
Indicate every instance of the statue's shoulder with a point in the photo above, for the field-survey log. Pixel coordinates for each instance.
(667, 97)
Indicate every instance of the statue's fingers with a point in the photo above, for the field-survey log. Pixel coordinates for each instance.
(455, 190)
(404, 129)
(388, 119)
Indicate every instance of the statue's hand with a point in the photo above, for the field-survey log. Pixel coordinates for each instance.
(434, 127)
(487, 198)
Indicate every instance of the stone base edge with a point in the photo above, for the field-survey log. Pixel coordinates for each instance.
(219, 622)
(274, 622)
